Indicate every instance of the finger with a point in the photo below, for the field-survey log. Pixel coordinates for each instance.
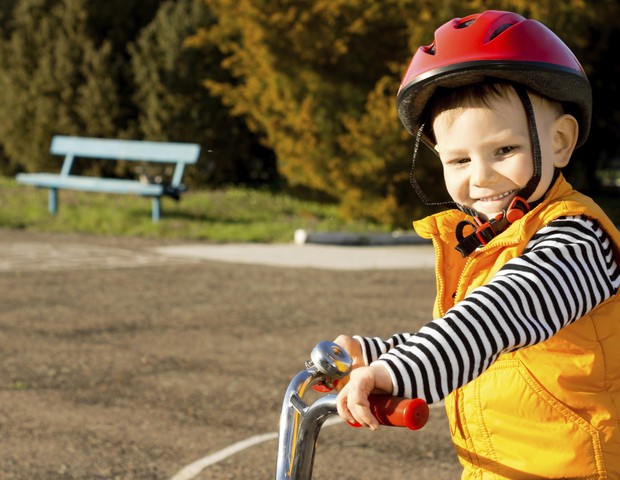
(354, 398)
(355, 420)
(359, 409)
(364, 417)
(342, 407)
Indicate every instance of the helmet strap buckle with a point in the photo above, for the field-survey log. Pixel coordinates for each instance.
(484, 232)
(516, 210)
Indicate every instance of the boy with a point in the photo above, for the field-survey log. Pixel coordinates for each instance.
(524, 345)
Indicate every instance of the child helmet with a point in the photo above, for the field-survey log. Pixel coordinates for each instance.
(507, 47)
(500, 45)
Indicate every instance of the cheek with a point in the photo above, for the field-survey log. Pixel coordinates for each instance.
(519, 171)
(458, 187)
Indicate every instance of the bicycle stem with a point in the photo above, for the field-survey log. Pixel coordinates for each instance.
(300, 423)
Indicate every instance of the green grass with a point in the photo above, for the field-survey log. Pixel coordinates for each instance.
(226, 215)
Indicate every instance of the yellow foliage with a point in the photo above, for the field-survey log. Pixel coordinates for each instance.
(318, 78)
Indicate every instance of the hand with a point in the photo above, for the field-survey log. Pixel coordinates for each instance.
(352, 402)
(354, 349)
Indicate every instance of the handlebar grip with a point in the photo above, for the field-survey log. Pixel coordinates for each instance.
(398, 412)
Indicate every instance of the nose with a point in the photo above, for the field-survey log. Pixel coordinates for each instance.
(482, 172)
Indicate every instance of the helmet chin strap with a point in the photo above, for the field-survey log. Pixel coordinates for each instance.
(482, 232)
(529, 189)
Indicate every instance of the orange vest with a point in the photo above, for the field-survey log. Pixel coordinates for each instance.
(550, 410)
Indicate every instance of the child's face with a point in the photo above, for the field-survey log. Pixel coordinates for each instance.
(486, 152)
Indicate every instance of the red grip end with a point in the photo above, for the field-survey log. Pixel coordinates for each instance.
(399, 412)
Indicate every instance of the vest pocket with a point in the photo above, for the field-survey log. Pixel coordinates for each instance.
(525, 432)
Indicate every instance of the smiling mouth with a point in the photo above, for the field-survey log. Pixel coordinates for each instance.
(497, 197)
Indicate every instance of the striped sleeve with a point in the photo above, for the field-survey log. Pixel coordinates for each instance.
(567, 269)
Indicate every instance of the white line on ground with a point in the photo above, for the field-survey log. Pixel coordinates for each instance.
(193, 469)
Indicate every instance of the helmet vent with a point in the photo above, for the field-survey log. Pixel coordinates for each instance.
(501, 29)
(466, 23)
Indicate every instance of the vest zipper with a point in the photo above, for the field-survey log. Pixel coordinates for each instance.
(459, 286)
(441, 286)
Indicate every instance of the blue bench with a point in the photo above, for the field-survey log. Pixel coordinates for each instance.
(179, 154)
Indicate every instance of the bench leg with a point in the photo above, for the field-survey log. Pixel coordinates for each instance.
(156, 211)
(52, 201)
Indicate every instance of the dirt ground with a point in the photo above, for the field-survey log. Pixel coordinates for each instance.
(119, 363)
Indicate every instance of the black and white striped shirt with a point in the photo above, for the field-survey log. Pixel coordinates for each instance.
(566, 270)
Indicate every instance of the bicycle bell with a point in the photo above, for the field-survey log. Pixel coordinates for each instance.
(331, 360)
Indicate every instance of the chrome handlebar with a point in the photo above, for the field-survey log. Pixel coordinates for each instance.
(301, 423)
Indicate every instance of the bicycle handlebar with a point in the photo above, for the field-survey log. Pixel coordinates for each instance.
(398, 412)
(301, 423)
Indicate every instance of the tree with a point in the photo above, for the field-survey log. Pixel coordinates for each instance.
(6, 10)
(52, 80)
(309, 82)
(318, 80)
(119, 23)
(169, 71)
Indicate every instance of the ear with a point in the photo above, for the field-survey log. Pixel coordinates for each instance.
(565, 133)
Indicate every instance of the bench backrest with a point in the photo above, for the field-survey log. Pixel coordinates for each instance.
(133, 150)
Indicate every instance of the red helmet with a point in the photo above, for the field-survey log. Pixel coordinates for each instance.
(501, 45)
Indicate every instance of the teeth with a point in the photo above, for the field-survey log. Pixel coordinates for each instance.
(499, 197)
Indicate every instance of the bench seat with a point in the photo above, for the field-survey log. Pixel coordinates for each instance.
(91, 184)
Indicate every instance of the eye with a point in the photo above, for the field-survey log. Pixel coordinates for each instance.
(458, 162)
(506, 150)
